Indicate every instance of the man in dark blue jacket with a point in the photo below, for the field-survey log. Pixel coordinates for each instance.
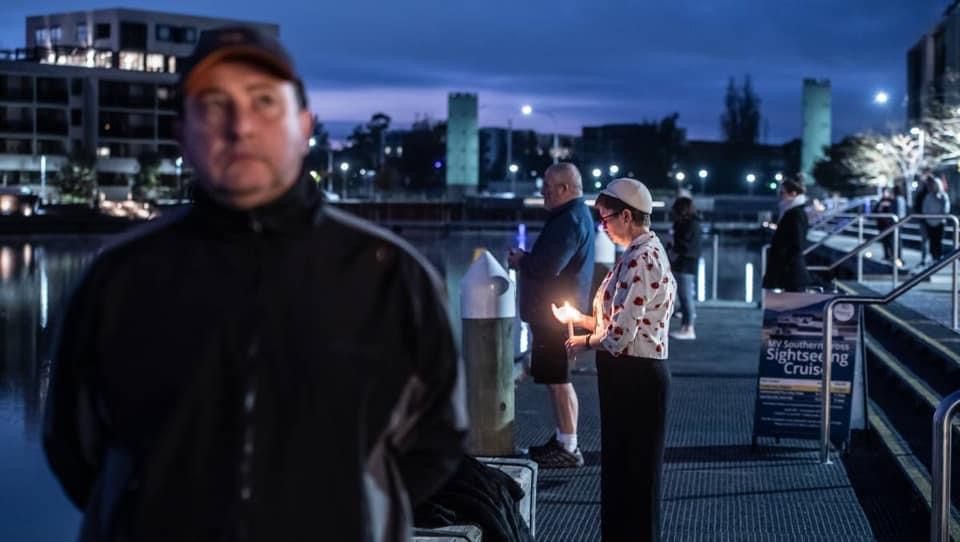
(559, 269)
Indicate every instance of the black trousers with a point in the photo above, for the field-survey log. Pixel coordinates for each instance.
(935, 234)
(634, 393)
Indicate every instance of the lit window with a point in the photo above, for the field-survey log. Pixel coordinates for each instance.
(103, 59)
(42, 36)
(399, 150)
(131, 60)
(83, 34)
(172, 65)
(55, 34)
(163, 93)
(154, 62)
(387, 151)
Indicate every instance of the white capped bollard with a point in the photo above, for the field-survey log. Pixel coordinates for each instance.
(604, 256)
(488, 310)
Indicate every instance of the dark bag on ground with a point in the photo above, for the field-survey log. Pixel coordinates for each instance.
(478, 495)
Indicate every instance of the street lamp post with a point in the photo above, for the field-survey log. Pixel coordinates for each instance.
(510, 164)
(514, 168)
(178, 164)
(344, 168)
(751, 180)
(703, 174)
(527, 110)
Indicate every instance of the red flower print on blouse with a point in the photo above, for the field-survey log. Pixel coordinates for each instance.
(638, 301)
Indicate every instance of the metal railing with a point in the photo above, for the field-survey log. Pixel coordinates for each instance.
(895, 228)
(825, 391)
(859, 219)
(825, 218)
(941, 468)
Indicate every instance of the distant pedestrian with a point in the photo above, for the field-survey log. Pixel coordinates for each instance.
(630, 328)
(935, 202)
(684, 258)
(886, 205)
(786, 265)
(917, 205)
(558, 269)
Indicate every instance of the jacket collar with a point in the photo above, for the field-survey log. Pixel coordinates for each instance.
(295, 210)
(565, 207)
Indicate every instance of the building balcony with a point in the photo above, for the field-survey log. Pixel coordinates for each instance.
(16, 126)
(52, 128)
(16, 94)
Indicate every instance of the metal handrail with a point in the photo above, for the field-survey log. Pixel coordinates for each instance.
(941, 467)
(858, 219)
(827, 217)
(825, 391)
(895, 227)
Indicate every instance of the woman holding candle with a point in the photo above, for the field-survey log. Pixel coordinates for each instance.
(630, 329)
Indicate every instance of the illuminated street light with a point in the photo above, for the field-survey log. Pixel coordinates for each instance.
(773, 186)
(344, 167)
(751, 178)
(881, 98)
(527, 110)
(596, 172)
(614, 169)
(778, 177)
(597, 185)
(313, 142)
(514, 168)
(680, 176)
(703, 174)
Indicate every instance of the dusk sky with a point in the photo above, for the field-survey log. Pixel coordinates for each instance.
(587, 61)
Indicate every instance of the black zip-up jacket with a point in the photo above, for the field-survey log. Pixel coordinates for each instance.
(282, 374)
(685, 253)
(786, 266)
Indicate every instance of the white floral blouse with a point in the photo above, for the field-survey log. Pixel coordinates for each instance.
(635, 301)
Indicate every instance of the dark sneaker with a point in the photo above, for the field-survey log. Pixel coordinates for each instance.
(554, 456)
(542, 448)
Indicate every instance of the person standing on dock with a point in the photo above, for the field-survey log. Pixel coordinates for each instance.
(558, 269)
(786, 265)
(260, 366)
(684, 258)
(629, 327)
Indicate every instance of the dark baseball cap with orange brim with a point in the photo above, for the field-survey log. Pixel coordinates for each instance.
(243, 44)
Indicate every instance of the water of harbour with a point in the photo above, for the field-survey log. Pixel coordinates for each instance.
(36, 275)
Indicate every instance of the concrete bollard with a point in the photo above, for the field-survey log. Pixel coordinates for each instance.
(488, 310)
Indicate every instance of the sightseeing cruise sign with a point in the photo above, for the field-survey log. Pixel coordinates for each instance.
(791, 368)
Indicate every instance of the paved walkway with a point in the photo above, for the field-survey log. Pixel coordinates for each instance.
(716, 486)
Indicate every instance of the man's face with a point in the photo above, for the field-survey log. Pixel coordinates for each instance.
(555, 192)
(244, 133)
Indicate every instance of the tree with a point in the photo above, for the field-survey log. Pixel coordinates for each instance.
(857, 162)
(148, 175)
(423, 146)
(741, 117)
(78, 177)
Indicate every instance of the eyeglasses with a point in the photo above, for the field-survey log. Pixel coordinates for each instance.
(604, 218)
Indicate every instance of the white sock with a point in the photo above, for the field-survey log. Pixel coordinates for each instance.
(567, 440)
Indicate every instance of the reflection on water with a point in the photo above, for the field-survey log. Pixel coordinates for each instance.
(35, 277)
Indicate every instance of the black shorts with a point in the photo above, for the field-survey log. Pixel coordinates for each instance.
(548, 356)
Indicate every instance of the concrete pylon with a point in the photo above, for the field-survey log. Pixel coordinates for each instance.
(488, 311)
